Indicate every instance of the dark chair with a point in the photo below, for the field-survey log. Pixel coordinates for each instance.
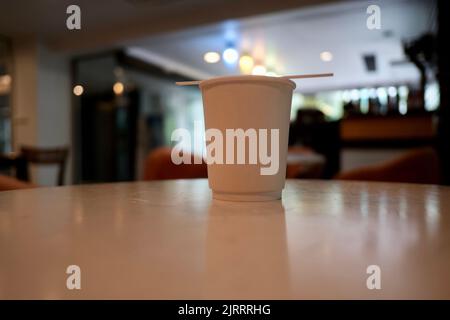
(12, 164)
(46, 156)
(310, 129)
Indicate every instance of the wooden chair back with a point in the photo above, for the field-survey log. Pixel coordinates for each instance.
(47, 156)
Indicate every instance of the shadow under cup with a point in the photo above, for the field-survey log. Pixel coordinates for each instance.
(253, 105)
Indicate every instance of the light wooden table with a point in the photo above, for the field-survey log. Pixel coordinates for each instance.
(170, 240)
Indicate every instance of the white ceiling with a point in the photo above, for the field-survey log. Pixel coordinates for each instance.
(292, 41)
(107, 22)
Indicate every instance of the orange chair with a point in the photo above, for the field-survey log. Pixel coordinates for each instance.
(9, 183)
(417, 166)
(159, 166)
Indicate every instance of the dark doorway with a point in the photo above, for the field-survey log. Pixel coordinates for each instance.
(108, 136)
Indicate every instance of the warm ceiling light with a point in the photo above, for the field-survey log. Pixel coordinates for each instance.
(246, 64)
(259, 70)
(78, 90)
(118, 88)
(230, 55)
(211, 57)
(5, 80)
(326, 56)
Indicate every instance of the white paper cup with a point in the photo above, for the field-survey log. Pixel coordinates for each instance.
(248, 102)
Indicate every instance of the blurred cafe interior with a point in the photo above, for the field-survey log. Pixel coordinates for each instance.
(98, 104)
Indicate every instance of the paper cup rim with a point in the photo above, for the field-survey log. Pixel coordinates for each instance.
(245, 78)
